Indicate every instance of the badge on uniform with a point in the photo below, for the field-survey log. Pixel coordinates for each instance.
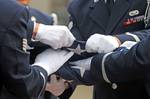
(133, 20)
(134, 13)
(24, 44)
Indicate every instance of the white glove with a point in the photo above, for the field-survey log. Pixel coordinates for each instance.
(55, 36)
(128, 44)
(101, 43)
(52, 60)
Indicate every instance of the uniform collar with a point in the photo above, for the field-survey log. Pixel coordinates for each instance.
(99, 7)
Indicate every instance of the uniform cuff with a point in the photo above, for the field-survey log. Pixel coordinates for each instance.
(96, 68)
(100, 71)
(124, 37)
(42, 70)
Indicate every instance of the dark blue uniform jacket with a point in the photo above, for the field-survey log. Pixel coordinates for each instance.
(89, 17)
(18, 77)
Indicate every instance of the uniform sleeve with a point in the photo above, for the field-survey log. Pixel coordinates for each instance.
(124, 65)
(18, 76)
(134, 36)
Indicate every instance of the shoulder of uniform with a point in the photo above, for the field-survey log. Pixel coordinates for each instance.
(34, 11)
(77, 5)
(41, 16)
(11, 11)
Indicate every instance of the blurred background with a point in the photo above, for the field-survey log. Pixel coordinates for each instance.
(60, 8)
(53, 6)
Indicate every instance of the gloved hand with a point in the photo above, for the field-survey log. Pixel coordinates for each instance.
(52, 60)
(55, 36)
(101, 43)
(128, 44)
(56, 86)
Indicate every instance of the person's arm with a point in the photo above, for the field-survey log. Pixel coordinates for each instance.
(21, 79)
(133, 36)
(99, 43)
(124, 65)
(17, 74)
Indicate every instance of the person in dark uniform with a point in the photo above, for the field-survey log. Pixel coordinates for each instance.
(89, 17)
(39, 17)
(43, 18)
(18, 77)
(37, 47)
(123, 65)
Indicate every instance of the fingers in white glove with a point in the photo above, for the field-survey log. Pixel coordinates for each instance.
(55, 36)
(101, 43)
(128, 44)
(52, 60)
